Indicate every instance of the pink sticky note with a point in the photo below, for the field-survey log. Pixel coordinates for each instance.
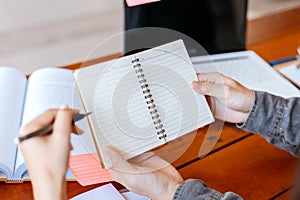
(131, 3)
(87, 169)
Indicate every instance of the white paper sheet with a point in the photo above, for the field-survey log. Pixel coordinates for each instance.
(107, 192)
(292, 72)
(133, 196)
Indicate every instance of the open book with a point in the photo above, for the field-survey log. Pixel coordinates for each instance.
(142, 101)
(21, 101)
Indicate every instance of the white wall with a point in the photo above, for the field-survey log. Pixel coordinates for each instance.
(261, 8)
(38, 33)
(16, 14)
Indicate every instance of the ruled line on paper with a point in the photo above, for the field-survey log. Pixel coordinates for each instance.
(87, 170)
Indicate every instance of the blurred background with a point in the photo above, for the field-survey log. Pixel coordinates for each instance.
(39, 33)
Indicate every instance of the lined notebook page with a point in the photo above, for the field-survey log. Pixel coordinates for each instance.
(169, 73)
(120, 117)
(120, 114)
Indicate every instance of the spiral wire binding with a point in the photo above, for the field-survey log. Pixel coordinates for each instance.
(149, 100)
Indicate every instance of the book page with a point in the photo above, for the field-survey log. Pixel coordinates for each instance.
(51, 88)
(13, 88)
(249, 69)
(122, 118)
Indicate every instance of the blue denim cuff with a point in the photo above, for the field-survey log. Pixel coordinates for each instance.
(276, 119)
(192, 188)
(251, 114)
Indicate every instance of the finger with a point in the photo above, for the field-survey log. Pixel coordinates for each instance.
(71, 146)
(210, 89)
(118, 162)
(77, 130)
(141, 158)
(63, 122)
(39, 122)
(215, 77)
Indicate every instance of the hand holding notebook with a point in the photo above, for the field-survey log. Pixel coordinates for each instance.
(142, 101)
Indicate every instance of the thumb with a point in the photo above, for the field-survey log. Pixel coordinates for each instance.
(118, 162)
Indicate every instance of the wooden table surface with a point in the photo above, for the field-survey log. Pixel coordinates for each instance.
(240, 162)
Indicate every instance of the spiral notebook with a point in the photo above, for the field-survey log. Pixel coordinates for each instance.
(142, 101)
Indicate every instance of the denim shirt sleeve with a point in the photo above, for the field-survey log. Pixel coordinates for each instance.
(196, 189)
(276, 119)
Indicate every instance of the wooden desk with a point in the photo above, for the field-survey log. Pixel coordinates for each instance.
(240, 162)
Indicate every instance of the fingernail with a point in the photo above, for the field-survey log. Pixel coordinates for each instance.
(204, 87)
(199, 76)
(79, 130)
(64, 106)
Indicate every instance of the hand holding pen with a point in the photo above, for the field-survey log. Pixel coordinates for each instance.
(49, 128)
(47, 156)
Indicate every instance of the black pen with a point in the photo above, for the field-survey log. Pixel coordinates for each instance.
(48, 129)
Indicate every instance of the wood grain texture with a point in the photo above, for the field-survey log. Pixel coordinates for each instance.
(274, 25)
(252, 168)
(285, 195)
(230, 134)
(280, 46)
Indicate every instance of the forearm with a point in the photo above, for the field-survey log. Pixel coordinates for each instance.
(196, 189)
(276, 119)
(47, 186)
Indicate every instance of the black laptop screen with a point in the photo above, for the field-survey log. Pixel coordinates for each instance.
(218, 25)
